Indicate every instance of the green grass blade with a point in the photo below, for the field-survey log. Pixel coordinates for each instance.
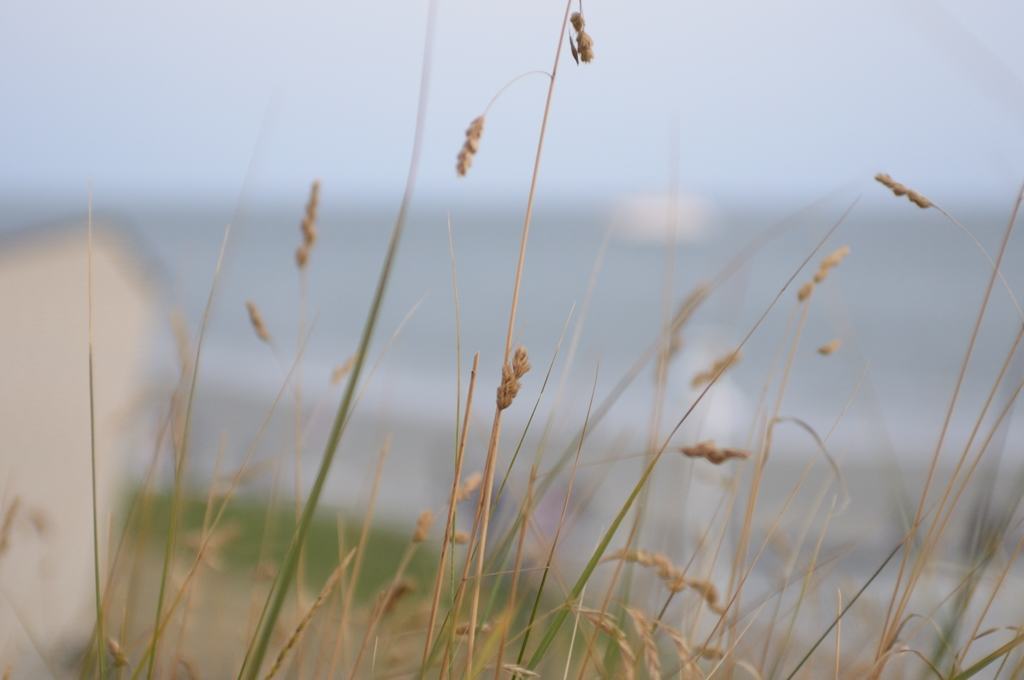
(994, 656)
(254, 657)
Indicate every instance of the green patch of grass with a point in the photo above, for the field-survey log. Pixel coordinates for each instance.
(245, 525)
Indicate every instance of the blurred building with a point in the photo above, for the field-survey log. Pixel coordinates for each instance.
(46, 535)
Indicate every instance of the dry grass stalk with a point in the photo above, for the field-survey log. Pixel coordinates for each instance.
(484, 508)
(423, 524)
(470, 146)
(712, 453)
(720, 366)
(342, 370)
(830, 347)
(900, 190)
(893, 616)
(468, 486)
(308, 226)
(517, 564)
(387, 600)
(511, 374)
(353, 579)
(584, 43)
(256, 319)
(293, 639)
(460, 449)
(678, 641)
(645, 629)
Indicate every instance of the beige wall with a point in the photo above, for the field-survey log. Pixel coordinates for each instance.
(46, 564)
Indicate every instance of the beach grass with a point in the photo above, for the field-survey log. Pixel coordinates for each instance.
(248, 582)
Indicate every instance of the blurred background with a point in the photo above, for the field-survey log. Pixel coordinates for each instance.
(700, 128)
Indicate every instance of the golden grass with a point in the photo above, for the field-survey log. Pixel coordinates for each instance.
(470, 146)
(681, 607)
(584, 47)
(503, 599)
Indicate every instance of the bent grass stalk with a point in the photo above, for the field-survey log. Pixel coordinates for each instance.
(735, 265)
(559, 617)
(897, 606)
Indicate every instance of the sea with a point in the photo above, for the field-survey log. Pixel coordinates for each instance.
(601, 278)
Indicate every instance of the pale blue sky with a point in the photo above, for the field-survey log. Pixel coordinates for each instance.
(790, 96)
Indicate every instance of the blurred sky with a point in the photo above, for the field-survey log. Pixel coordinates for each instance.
(788, 97)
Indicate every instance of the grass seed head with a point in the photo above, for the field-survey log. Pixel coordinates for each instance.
(470, 484)
(256, 319)
(308, 226)
(806, 289)
(713, 454)
(391, 597)
(833, 259)
(423, 523)
(900, 190)
(829, 347)
(470, 146)
(342, 370)
(721, 365)
(511, 374)
(584, 43)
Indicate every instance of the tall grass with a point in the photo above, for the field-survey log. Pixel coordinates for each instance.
(498, 600)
